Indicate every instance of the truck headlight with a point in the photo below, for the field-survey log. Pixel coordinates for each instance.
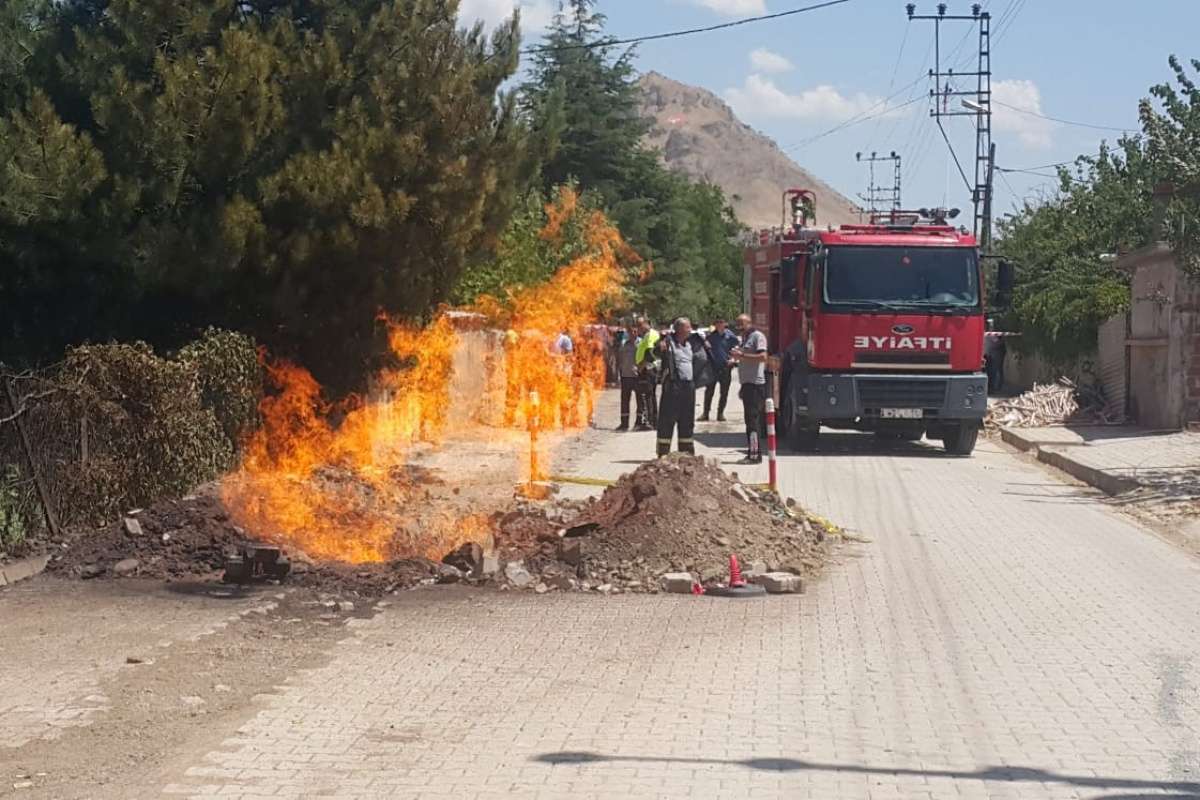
(832, 401)
(967, 402)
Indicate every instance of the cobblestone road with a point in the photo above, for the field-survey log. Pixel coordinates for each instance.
(1000, 635)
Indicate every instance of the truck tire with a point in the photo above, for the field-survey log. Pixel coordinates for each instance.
(960, 440)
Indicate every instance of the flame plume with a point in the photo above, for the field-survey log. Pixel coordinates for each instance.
(333, 478)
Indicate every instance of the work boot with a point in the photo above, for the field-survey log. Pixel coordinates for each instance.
(720, 417)
(703, 417)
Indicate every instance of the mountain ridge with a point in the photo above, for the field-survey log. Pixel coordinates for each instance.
(697, 133)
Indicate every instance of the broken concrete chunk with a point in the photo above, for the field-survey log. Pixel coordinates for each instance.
(126, 567)
(466, 557)
(91, 571)
(780, 582)
(489, 566)
(677, 582)
(132, 526)
(570, 551)
(449, 574)
(517, 574)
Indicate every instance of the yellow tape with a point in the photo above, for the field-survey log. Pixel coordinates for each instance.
(580, 480)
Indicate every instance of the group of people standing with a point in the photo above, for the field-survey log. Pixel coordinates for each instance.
(682, 361)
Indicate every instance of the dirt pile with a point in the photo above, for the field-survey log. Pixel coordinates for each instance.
(678, 514)
(1057, 403)
(189, 538)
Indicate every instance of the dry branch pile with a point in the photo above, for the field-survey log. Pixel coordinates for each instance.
(1056, 403)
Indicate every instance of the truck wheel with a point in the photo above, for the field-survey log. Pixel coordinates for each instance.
(803, 440)
(960, 440)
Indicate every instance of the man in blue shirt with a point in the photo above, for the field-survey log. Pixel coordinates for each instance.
(719, 343)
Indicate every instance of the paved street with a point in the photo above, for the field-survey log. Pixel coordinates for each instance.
(1001, 634)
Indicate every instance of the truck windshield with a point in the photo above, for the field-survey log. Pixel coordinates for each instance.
(886, 277)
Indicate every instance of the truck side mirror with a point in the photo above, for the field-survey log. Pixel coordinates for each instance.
(1005, 275)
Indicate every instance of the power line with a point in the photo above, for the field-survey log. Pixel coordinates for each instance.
(1020, 110)
(853, 121)
(674, 34)
(957, 163)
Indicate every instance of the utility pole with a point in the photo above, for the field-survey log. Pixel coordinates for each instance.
(879, 197)
(974, 103)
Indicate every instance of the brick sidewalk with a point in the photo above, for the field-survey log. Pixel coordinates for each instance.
(1165, 466)
(998, 636)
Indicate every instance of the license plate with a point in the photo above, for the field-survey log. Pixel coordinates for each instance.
(901, 413)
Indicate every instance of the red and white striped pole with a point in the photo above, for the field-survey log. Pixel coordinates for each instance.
(772, 475)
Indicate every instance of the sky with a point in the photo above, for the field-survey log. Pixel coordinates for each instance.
(833, 82)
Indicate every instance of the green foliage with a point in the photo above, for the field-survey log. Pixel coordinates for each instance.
(524, 257)
(583, 100)
(1064, 290)
(230, 380)
(1173, 147)
(150, 435)
(289, 168)
(12, 520)
(116, 427)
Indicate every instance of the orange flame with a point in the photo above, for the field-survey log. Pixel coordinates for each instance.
(332, 478)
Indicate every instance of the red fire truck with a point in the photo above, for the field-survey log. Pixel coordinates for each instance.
(875, 327)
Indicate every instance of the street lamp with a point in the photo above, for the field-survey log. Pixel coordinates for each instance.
(971, 105)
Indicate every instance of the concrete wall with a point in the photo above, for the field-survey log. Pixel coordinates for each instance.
(1164, 340)
(1023, 370)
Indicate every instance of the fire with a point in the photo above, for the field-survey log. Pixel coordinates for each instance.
(333, 478)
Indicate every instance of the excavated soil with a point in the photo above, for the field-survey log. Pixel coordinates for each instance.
(678, 514)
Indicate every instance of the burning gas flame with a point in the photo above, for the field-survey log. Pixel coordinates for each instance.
(333, 478)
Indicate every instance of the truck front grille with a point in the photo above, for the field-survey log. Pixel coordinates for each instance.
(901, 393)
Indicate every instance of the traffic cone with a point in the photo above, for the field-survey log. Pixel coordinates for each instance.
(735, 572)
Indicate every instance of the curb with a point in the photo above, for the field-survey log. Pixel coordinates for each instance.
(20, 570)
(1055, 457)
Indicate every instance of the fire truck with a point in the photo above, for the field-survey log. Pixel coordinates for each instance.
(873, 327)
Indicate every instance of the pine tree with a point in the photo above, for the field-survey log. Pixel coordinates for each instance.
(287, 167)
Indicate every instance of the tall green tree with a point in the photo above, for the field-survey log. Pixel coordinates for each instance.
(1173, 147)
(288, 167)
(1065, 289)
(583, 99)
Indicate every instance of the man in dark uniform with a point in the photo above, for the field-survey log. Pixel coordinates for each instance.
(719, 343)
(677, 407)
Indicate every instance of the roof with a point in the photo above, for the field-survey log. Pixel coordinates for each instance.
(916, 236)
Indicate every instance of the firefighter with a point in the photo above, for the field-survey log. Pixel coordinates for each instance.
(647, 368)
(678, 405)
(751, 359)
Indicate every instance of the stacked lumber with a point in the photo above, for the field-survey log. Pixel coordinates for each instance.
(1056, 403)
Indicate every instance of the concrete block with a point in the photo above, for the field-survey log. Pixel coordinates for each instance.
(20, 570)
(780, 582)
(676, 582)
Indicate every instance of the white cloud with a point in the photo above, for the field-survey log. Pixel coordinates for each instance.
(765, 60)
(760, 97)
(734, 7)
(535, 14)
(1009, 95)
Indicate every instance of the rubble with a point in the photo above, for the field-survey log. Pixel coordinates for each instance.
(665, 526)
(671, 522)
(1056, 403)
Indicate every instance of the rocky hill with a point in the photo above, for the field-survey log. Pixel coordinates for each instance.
(699, 135)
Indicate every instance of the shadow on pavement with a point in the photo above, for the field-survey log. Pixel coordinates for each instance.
(832, 443)
(220, 591)
(1002, 774)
